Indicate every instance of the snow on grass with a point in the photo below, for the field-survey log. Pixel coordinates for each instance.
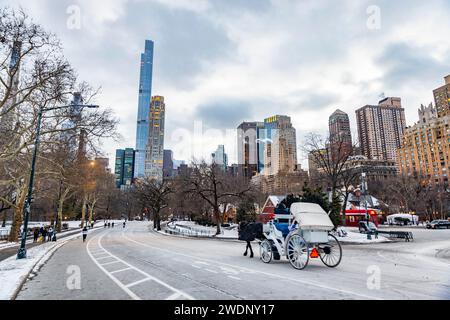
(191, 228)
(350, 235)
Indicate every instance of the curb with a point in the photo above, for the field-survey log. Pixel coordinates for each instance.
(42, 261)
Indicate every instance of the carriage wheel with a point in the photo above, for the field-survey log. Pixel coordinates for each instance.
(297, 252)
(266, 251)
(331, 252)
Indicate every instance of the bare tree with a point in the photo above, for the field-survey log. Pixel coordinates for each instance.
(331, 161)
(154, 195)
(216, 188)
(35, 76)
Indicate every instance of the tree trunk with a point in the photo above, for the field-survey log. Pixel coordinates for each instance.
(83, 212)
(61, 201)
(218, 222)
(91, 212)
(18, 216)
(60, 215)
(156, 221)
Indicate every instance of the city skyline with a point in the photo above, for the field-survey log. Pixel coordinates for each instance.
(205, 81)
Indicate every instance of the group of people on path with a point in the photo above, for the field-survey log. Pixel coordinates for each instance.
(107, 225)
(43, 234)
(112, 224)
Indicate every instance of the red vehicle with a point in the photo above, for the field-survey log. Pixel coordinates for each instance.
(353, 217)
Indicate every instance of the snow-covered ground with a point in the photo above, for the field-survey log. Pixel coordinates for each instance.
(190, 228)
(352, 235)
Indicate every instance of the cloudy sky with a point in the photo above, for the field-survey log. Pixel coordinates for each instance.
(221, 62)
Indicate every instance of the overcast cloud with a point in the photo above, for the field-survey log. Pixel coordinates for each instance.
(223, 62)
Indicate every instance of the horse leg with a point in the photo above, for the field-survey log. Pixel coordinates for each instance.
(251, 250)
(246, 250)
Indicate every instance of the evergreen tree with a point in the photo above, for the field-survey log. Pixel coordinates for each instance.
(316, 196)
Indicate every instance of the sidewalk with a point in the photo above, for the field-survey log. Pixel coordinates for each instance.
(14, 273)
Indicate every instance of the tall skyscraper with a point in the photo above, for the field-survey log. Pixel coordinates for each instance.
(340, 133)
(425, 151)
(168, 170)
(220, 158)
(380, 129)
(280, 154)
(442, 98)
(251, 141)
(124, 167)
(154, 160)
(145, 95)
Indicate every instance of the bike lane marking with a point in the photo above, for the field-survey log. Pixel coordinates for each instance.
(126, 287)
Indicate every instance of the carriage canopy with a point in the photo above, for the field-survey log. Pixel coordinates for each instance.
(311, 216)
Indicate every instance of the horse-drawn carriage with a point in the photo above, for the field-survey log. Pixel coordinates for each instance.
(308, 237)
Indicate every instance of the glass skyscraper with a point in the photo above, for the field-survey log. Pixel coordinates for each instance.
(145, 96)
(154, 159)
(124, 167)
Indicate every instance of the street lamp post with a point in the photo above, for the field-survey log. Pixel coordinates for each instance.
(364, 192)
(22, 252)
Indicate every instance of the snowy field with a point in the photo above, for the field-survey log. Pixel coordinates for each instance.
(352, 235)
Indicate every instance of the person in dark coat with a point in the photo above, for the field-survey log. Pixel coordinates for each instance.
(44, 234)
(35, 234)
(50, 234)
(85, 233)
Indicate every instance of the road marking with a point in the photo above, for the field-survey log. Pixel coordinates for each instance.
(103, 258)
(138, 282)
(116, 281)
(307, 282)
(174, 296)
(131, 267)
(235, 278)
(109, 263)
(121, 270)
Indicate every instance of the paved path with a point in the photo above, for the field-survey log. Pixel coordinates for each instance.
(135, 263)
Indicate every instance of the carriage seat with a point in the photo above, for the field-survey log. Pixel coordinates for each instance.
(277, 232)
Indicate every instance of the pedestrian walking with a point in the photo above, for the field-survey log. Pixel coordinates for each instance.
(35, 234)
(50, 234)
(44, 234)
(85, 233)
